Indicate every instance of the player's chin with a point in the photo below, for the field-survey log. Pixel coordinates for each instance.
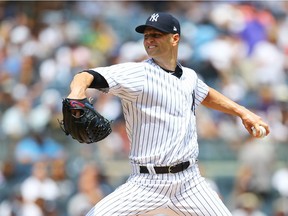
(151, 52)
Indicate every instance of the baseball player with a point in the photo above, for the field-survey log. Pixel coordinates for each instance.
(159, 98)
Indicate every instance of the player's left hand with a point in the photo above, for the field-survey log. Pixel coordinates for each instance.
(83, 122)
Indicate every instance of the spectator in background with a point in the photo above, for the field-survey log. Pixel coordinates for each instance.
(14, 120)
(248, 205)
(38, 146)
(90, 191)
(38, 190)
(58, 173)
(280, 207)
(257, 162)
(280, 181)
(268, 61)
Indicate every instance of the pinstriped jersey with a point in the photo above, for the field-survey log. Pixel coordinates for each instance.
(159, 110)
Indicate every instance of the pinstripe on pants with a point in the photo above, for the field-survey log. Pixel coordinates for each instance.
(185, 193)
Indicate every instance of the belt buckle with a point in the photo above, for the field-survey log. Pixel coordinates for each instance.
(170, 169)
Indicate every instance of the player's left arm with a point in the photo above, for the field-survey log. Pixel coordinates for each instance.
(84, 80)
(217, 101)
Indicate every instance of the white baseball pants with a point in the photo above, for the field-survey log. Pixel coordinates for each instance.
(184, 193)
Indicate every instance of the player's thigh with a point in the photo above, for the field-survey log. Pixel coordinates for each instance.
(129, 199)
(196, 197)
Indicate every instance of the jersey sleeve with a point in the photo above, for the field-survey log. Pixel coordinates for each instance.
(201, 91)
(125, 80)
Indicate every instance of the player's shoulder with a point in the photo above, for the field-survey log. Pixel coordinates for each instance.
(147, 64)
(135, 66)
(128, 65)
(188, 71)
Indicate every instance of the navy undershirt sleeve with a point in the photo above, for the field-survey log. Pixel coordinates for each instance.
(99, 81)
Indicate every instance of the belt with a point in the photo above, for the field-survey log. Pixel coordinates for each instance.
(167, 169)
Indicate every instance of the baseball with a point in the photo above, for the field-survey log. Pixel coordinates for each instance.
(262, 131)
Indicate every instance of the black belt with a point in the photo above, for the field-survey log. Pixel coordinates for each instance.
(167, 169)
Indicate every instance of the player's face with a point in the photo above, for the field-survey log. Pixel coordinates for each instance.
(157, 43)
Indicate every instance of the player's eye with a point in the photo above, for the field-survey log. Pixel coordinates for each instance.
(153, 35)
(157, 35)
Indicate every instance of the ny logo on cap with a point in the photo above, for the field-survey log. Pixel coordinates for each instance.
(154, 17)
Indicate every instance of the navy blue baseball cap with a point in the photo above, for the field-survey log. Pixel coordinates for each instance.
(161, 21)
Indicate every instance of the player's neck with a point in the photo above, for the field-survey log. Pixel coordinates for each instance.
(168, 65)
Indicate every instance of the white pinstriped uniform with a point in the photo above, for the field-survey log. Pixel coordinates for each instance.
(159, 110)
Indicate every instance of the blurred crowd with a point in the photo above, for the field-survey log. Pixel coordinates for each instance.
(239, 48)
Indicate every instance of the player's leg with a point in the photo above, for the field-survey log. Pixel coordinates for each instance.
(131, 199)
(196, 197)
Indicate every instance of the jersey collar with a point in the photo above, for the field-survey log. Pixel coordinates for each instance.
(178, 71)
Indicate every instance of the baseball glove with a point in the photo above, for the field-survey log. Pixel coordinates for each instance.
(83, 122)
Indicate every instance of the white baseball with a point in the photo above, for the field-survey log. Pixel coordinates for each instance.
(262, 131)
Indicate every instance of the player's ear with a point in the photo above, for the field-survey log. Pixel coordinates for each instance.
(175, 39)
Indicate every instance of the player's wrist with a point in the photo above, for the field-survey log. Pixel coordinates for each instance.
(242, 112)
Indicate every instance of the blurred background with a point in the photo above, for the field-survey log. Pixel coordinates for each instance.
(238, 47)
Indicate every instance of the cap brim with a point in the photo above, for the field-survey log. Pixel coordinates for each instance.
(140, 29)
